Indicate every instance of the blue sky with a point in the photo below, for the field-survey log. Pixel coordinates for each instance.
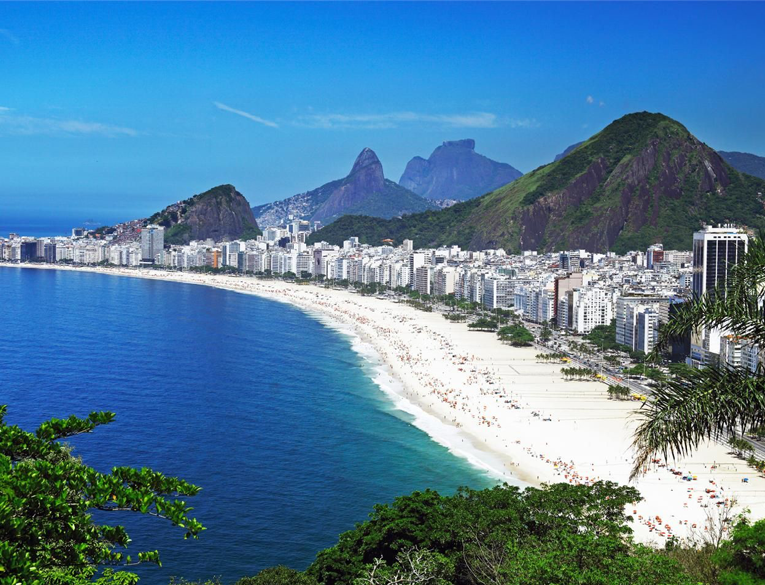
(114, 110)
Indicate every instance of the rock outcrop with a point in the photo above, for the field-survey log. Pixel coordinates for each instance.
(455, 171)
(222, 213)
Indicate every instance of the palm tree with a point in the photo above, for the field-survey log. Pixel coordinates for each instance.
(717, 402)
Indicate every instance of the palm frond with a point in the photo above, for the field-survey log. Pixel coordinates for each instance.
(738, 306)
(712, 403)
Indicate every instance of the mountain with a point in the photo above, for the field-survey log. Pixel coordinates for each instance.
(222, 213)
(567, 151)
(751, 164)
(364, 191)
(456, 171)
(643, 179)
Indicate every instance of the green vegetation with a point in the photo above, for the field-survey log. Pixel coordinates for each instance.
(559, 534)
(47, 499)
(250, 231)
(619, 392)
(516, 335)
(604, 337)
(651, 373)
(550, 357)
(178, 234)
(716, 401)
(483, 324)
(575, 373)
(429, 227)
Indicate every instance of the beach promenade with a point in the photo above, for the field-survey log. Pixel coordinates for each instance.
(505, 411)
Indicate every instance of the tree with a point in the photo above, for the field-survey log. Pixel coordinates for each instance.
(47, 497)
(517, 335)
(483, 324)
(278, 576)
(412, 567)
(742, 558)
(546, 334)
(717, 401)
(562, 534)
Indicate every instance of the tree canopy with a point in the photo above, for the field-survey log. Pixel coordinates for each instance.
(47, 497)
(558, 534)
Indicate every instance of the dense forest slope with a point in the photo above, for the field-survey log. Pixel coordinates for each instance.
(643, 179)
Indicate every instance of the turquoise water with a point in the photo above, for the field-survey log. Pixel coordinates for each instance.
(271, 412)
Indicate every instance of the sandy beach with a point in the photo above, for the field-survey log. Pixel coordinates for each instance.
(503, 410)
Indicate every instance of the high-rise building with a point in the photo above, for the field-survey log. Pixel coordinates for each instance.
(498, 293)
(152, 243)
(49, 252)
(416, 260)
(28, 251)
(716, 250)
(647, 328)
(654, 255)
(571, 260)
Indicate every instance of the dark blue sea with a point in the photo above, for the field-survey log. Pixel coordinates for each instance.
(270, 411)
(42, 225)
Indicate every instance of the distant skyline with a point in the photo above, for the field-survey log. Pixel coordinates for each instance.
(112, 111)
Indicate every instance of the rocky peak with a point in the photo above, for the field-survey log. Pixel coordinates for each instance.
(455, 171)
(468, 143)
(366, 158)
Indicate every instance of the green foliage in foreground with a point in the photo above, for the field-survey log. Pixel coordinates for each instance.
(47, 497)
(559, 534)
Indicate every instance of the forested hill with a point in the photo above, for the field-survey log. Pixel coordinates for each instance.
(222, 213)
(643, 179)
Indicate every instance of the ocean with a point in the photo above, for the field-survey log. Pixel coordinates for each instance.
(282, 420)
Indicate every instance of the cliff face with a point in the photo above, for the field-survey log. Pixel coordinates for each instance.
(642, 179)
(222, 213)
(456, 171)
(364, 191)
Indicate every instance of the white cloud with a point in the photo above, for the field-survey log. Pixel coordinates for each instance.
(590, 99)
(396, 119)
(30, 126)
(9, 36)
(602, 103)
(252, 117)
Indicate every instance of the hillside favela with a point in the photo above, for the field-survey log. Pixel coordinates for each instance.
(382, 293)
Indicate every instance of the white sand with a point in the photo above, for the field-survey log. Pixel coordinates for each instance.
(488, 402)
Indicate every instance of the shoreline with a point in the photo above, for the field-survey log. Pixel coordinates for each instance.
(523, 423)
